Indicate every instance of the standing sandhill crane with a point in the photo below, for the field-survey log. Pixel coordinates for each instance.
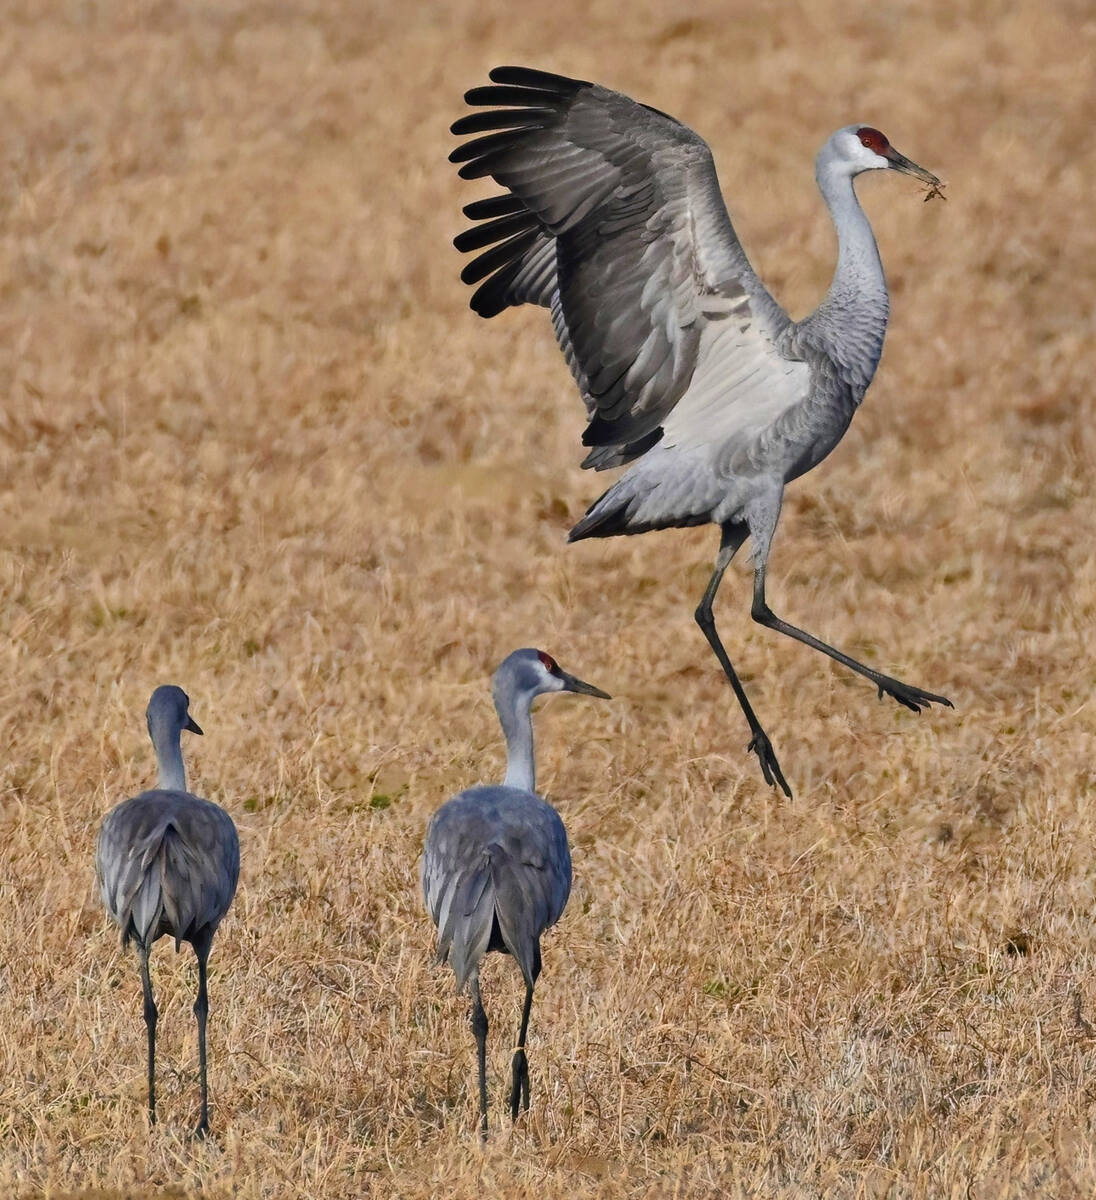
(613, 220)
(168, 863)
(496, 871)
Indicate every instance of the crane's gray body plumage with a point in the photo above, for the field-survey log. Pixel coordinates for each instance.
(496, 874)
(167, 863)
(496, 868)
(690, 371)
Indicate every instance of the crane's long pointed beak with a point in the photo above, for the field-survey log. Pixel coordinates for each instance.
(192, 725)
(899, 162)
(571, 684)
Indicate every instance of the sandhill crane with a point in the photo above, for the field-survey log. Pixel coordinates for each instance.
(614, 221)
(496, 870)
(168, 862)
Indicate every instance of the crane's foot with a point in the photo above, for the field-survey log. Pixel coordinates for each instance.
(770, 768)
(519, 1092)
(202, 1132)
(911, 697)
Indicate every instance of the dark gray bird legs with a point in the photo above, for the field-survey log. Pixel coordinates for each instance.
(150, 1023)
(913, 698)
(201, 1011)
(519, 1092)
(733, 537)
(479, 1028)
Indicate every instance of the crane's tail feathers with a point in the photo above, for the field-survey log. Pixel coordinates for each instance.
(521, 907)
(177, 865)
(469, 915)
(622, 510)
(145, 909)
(523, 944)
(608, 516)
(164, 882)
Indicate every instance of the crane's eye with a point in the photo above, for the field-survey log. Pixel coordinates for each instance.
(873, 139)
(548, 662)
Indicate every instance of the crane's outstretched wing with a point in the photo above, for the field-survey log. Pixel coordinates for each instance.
(614, 221)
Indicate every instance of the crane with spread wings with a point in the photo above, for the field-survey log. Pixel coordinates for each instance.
(613, 220)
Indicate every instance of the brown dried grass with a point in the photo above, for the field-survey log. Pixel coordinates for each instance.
(253, 442)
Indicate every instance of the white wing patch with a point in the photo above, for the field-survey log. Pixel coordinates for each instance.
(740, 387)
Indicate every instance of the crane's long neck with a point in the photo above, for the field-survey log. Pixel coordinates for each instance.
(853, 316)
(169, 757)
(513, 708)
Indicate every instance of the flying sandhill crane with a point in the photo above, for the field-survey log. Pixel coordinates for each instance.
(496, 871)
(167, 862)
(613, 220)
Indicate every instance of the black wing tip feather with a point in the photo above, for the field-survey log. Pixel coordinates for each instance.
(494, 206)
(486, 301)
(525, 87)
(507, 118)
(491, 143)
(524, 99)
(502, 255)
(492, 296)
(631, 434)
(531, 77)
(505, 220)
(493, 94)
(487, 232)
(617, 453)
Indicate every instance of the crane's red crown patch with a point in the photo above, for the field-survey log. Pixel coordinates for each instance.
(873, 139)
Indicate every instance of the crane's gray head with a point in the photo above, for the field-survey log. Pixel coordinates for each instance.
(169, 711)
(528, 673)
(858, 148)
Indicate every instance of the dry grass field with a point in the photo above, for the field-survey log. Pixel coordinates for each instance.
(253, 442)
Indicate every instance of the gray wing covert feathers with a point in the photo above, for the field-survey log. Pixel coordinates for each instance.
(613, 220)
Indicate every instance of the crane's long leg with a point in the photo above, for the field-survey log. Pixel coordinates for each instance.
(733, 537)
(519, 1092)
(201, 1011)
(479, 1028)
(150, 1024)
(912, 697)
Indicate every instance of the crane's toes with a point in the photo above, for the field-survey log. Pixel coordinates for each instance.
(761, 746)
(519, 1091)
(910, 697)
(202, 1132)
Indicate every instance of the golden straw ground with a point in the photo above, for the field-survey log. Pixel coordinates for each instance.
(252, 442)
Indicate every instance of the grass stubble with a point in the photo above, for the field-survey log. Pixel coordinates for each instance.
(252, 442)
